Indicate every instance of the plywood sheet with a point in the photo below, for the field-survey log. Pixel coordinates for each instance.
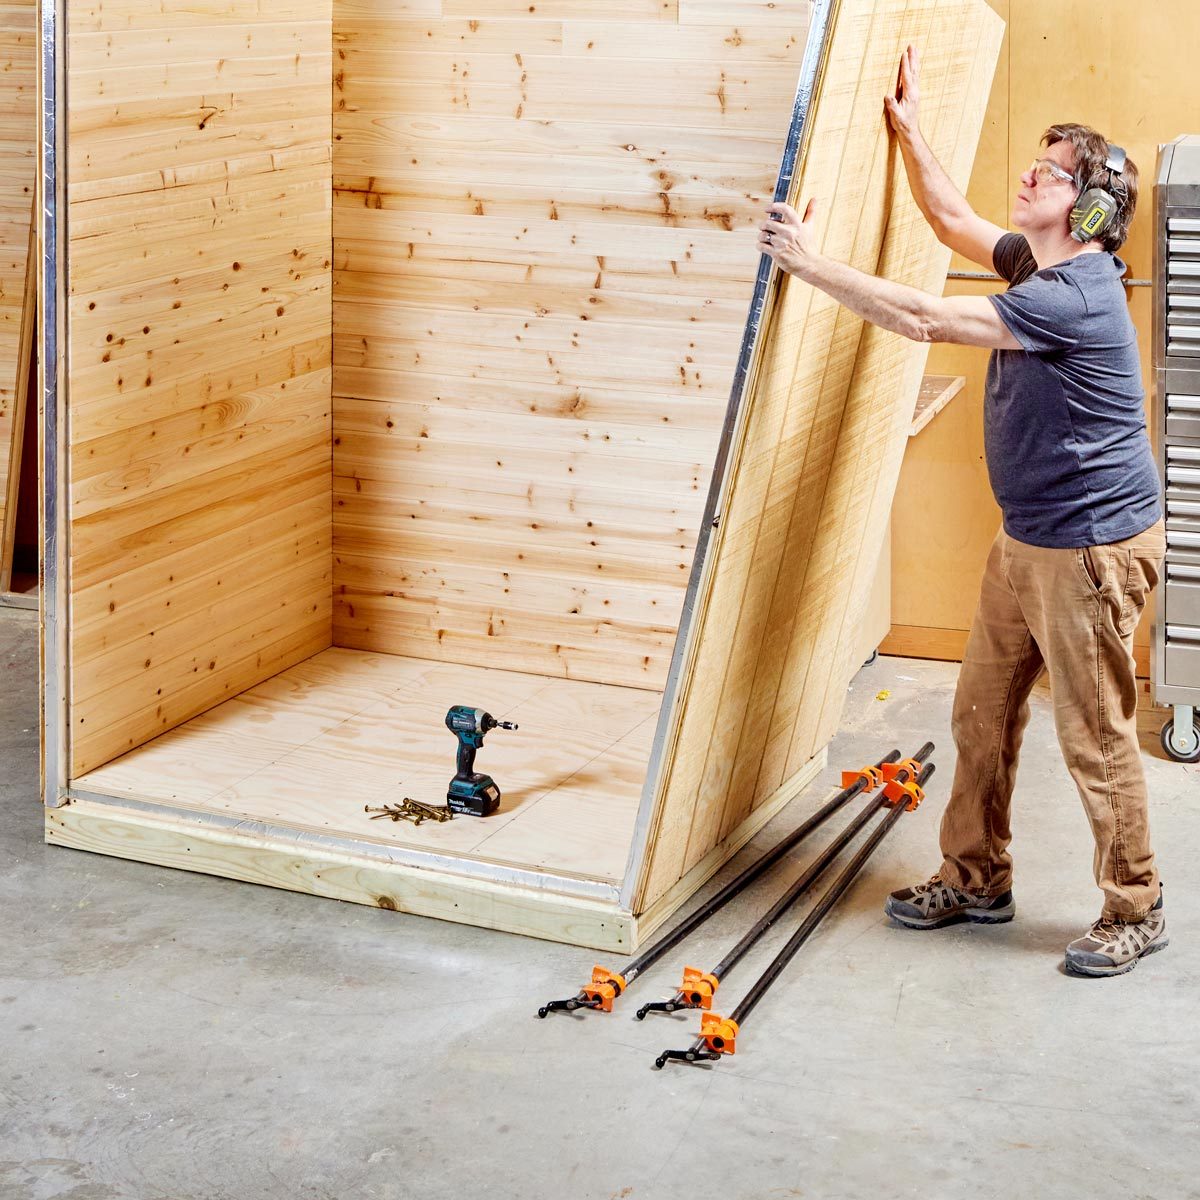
(18, 172)
(309, 748)
(199, 269)
(825, 421)
(544, 249)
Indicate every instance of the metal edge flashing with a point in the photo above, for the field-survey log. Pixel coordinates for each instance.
(574, 887)
(766, 285)
(52, 369)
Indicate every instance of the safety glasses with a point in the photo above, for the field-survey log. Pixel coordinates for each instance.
(1044, 170)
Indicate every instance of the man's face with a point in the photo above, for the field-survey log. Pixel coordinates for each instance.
(1044, 200)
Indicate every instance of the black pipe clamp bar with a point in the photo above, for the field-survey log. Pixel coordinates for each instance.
(700, 1050)
(814, 871)
(648, 957)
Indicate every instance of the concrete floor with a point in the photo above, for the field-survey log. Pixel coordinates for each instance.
(166, 1036)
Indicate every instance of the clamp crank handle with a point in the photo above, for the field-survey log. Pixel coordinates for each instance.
(677, 1002)
(693, 1054)
(568, 1005)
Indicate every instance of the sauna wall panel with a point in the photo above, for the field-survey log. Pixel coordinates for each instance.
(773, 648)
(200, 277)
(18, 172)
(544, 250)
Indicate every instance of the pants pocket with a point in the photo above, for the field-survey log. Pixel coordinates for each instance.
(1142, 575)
(1087, 558)
(1112, 576)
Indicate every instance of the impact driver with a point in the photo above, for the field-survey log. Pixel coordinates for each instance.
(471, 793)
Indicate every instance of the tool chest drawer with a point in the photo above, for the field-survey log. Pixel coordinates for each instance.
(1181, 655)
(1183, 539)
(1183, 513)
(1183, 471)
(1183, 412)
(1183, 287)
(1182, 599)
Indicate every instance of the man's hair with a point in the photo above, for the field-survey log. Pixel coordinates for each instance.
(1091, 153)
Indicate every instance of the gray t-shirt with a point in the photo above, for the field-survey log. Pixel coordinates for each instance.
(1064, 423)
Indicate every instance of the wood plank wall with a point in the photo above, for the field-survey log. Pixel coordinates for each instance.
(1133, 77)
(199, 339)
(18, 174)
(544, 250)
(776, 639)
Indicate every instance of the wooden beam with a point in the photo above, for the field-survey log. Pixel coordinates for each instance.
(283, 863)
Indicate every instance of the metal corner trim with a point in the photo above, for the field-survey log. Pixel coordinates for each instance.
(812, 69)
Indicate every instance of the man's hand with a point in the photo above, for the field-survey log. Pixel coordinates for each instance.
(902, 107)
(789, 240)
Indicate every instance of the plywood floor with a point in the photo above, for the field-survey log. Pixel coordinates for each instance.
(311, 746)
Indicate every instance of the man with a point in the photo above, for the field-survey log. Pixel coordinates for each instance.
(1082, 541)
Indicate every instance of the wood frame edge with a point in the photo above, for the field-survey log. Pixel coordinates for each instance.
(177, 843)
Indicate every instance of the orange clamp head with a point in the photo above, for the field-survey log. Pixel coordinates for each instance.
(904, 793)
(871, 777)
(604, 988)
(720, 1033)
(908, 765)
(698, 988)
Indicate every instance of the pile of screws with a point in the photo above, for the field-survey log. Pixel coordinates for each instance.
(410, 810)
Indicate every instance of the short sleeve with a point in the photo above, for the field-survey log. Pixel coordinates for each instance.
(1013, 259)
(1044, 313)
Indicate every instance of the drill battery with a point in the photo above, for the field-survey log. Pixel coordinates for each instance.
(474, 796)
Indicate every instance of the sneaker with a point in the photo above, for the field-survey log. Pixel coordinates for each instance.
(1114, 947)
(936, 903)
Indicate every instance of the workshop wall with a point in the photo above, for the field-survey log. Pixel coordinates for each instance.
(1132, 75)
(199, 343)
(544, 251)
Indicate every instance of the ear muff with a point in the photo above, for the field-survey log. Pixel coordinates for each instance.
(1096, 208)
(1092, 214)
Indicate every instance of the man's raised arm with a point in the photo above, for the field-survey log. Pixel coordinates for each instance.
(953, 220)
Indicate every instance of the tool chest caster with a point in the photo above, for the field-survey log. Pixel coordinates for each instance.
(1181, 734)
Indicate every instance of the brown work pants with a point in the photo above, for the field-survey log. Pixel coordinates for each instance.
(1071, 613)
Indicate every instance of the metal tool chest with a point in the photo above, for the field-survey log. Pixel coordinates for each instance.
(1175, 673)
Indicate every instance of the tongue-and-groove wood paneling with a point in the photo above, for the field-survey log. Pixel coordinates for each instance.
(18, 174)
(773, 646)
(544, 249)
(199, 342)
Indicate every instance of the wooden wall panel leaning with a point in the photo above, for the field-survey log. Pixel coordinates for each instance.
(544, 249)
(199, 266)
(827, 418)
(18, 173)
